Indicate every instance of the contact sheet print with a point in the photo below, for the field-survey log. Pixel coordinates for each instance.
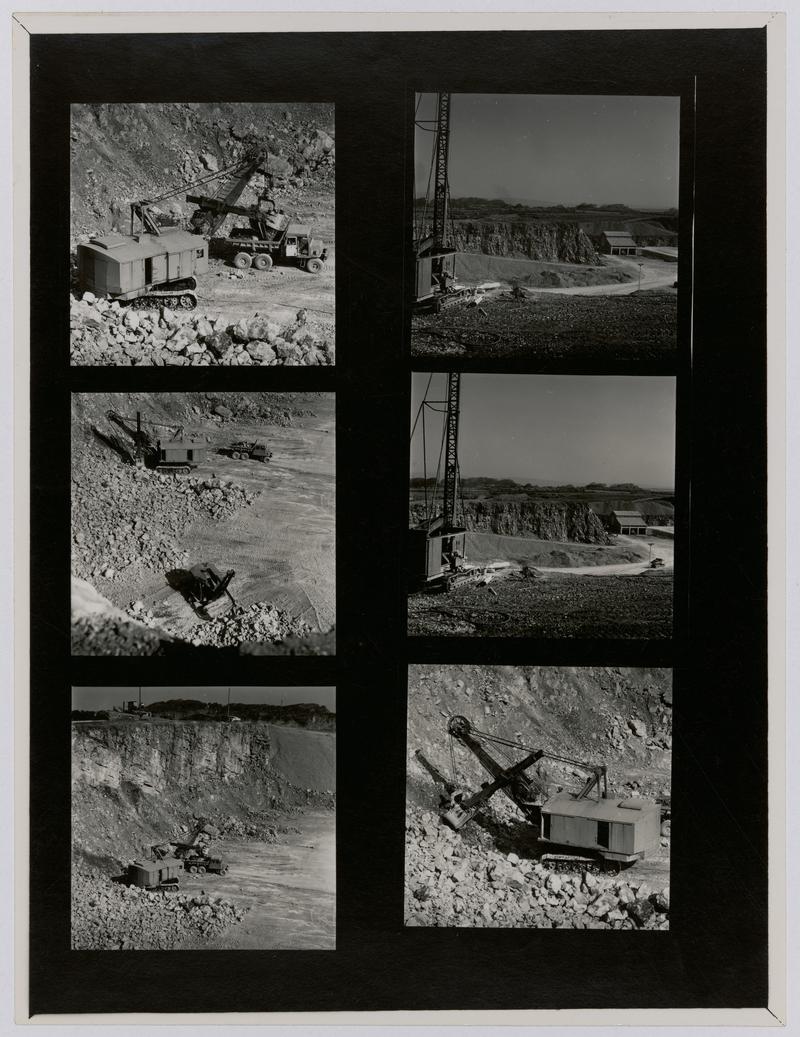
(387, 613)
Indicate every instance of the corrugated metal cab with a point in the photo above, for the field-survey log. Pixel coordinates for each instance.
(619, 829)
(428, 551)
(122, 267)
(153, 873)
(181, 451)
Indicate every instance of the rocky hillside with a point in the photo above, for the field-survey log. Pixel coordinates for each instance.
(614, 715)
(136, 783)
(120, 153)
(546, 242)
(489, 873)
(541, 520)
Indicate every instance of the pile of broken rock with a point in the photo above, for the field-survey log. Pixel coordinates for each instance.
(108, 538)
(456, 881)
(259, 622)
(110, 916)
(104, 332)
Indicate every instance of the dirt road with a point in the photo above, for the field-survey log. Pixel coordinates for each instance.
(288, 889)
(655, 274)
(661, 548)
(282, 546)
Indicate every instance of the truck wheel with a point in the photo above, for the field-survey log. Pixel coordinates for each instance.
(245, 457)
(242, 260)
(201, 870)
(313, 266)
(236, 455)
(192, 870)
(263, 261)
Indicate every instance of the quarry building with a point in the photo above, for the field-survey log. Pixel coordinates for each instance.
(630, 522)
(618, 243)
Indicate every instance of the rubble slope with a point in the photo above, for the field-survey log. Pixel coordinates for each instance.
(121, 153)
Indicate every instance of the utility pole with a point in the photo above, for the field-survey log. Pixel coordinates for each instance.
(640, 276)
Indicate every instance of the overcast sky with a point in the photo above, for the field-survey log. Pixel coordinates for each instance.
(557, 150)
(563, 428)
(103, 698)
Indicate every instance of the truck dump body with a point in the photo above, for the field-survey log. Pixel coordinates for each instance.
(124, 267)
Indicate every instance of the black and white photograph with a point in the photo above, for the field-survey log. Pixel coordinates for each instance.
(203, 818)
(545, 226)
(202, 234)
(203, 521)
(538, 797)
(541, 505)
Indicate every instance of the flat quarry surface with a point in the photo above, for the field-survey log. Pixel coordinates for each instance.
(555, 604)
(288, 889)
(282, 547)
(614, 321)
(277, 293)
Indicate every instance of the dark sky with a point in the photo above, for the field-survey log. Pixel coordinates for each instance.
(558, 150)
(558, 428)
(103, 698)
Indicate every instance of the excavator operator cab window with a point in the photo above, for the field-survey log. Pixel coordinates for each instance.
(199, 253)
(148, 271)
(603, 833)
(545, 826)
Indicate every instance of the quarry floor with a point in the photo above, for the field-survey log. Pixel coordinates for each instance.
(574, 323)
(288, 889)
(277, 293)
(281, 546)
(551, 605)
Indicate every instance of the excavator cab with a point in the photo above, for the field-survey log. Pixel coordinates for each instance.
(208, 586)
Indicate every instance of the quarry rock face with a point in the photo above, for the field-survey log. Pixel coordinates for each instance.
(541, 520)
(545, 242)
(168, 757)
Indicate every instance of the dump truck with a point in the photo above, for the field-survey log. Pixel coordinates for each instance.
(270, 236)
(198, 861)
(156, 874)
(246, 449)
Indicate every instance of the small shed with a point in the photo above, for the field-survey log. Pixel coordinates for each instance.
(629, 522)
(620, 829)
(618, 243)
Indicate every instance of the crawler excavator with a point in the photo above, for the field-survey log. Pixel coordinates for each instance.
(156, 265)
(587, 829)
(437, 545)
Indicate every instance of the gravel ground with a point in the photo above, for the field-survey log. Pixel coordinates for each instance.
(642, 326)
(549, 606)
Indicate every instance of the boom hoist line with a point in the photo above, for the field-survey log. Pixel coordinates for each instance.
(521, 788)
(243, 171)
